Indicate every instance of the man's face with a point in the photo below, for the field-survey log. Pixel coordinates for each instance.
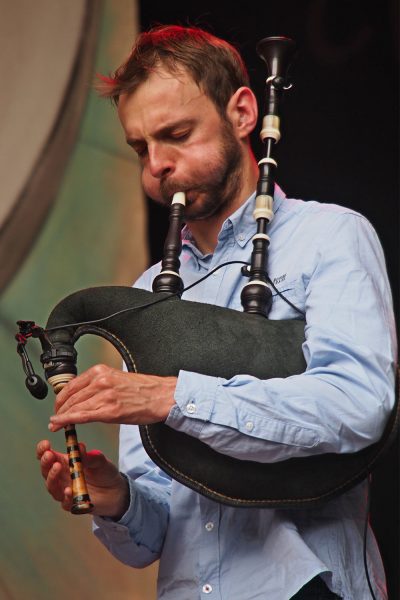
(183, 144)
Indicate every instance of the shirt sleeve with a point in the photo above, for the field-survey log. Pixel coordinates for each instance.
(137, 538)
(343, 399)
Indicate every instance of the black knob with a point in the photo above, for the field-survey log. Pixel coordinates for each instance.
(36, 386)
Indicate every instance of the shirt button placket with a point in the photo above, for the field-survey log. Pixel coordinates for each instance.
(209, 565)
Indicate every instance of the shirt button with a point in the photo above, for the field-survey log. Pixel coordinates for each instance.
(191, 408)
(249, 425)
(241, 237)
(209, 526)
(207, 588)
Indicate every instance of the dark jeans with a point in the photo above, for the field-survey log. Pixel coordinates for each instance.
(315, 590)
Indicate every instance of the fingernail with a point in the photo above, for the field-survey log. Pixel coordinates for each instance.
(51, 426)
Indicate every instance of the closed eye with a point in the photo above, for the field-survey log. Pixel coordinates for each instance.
(169, 134)
(140, 149)
(179, 136)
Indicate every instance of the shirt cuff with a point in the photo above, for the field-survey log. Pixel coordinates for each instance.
(127, 517)
(195, 399)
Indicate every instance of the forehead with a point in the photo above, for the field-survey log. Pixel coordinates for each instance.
(163, 97)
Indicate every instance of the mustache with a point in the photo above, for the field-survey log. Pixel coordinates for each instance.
(169, 188)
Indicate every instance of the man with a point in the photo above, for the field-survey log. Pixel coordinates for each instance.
(186, 108)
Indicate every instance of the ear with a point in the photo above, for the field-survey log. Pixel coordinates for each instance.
(242, 111)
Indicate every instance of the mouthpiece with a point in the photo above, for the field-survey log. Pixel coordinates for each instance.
(179, 198)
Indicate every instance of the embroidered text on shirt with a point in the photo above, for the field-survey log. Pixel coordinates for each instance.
(278, 280)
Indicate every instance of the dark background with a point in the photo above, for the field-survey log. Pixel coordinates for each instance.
(339, 137)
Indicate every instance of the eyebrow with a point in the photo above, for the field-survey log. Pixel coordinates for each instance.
(165, 130)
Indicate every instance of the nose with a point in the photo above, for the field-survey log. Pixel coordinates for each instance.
(160, 161)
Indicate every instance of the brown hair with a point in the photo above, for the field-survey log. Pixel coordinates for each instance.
(215, 66)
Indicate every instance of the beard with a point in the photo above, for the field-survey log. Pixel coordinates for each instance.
(206, 199)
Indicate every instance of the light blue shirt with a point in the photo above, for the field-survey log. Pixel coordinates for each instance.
(326, 260)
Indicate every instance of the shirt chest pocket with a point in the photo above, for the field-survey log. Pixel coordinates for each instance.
(284, 294)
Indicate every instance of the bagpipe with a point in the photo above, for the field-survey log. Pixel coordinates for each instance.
(159, 333)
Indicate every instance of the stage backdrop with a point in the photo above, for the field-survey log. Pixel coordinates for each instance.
(71, 216)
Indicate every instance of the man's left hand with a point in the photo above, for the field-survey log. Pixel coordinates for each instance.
(107, 395)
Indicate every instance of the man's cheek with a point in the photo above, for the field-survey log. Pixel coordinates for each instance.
(151, 187)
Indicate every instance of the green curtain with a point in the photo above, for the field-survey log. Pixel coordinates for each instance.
(94, 235)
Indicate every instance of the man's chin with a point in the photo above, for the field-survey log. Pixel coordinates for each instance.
(199, 211)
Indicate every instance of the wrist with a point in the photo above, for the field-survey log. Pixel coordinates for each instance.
(121, 500)
(168, 399)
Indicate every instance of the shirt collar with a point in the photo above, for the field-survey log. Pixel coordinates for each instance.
(241, 222)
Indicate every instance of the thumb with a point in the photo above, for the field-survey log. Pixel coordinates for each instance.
(92, 459)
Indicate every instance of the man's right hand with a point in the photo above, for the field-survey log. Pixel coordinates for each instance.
(108, 489)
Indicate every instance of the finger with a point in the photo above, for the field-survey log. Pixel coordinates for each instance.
(41, 448)
(77, 417)
(98, 409)
(91, 397)
(66, 502)
(94, 459)
(73, 397)
(54, 482)
(48, 458)
(79, 383)
(46, 462)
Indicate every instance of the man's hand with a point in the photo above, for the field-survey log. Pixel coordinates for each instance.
(108, 489)
(112, 396)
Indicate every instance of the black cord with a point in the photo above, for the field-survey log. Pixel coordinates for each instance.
(163, 298)
(303, 314)
(365, 537)
(111, 316)
(230, 262)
